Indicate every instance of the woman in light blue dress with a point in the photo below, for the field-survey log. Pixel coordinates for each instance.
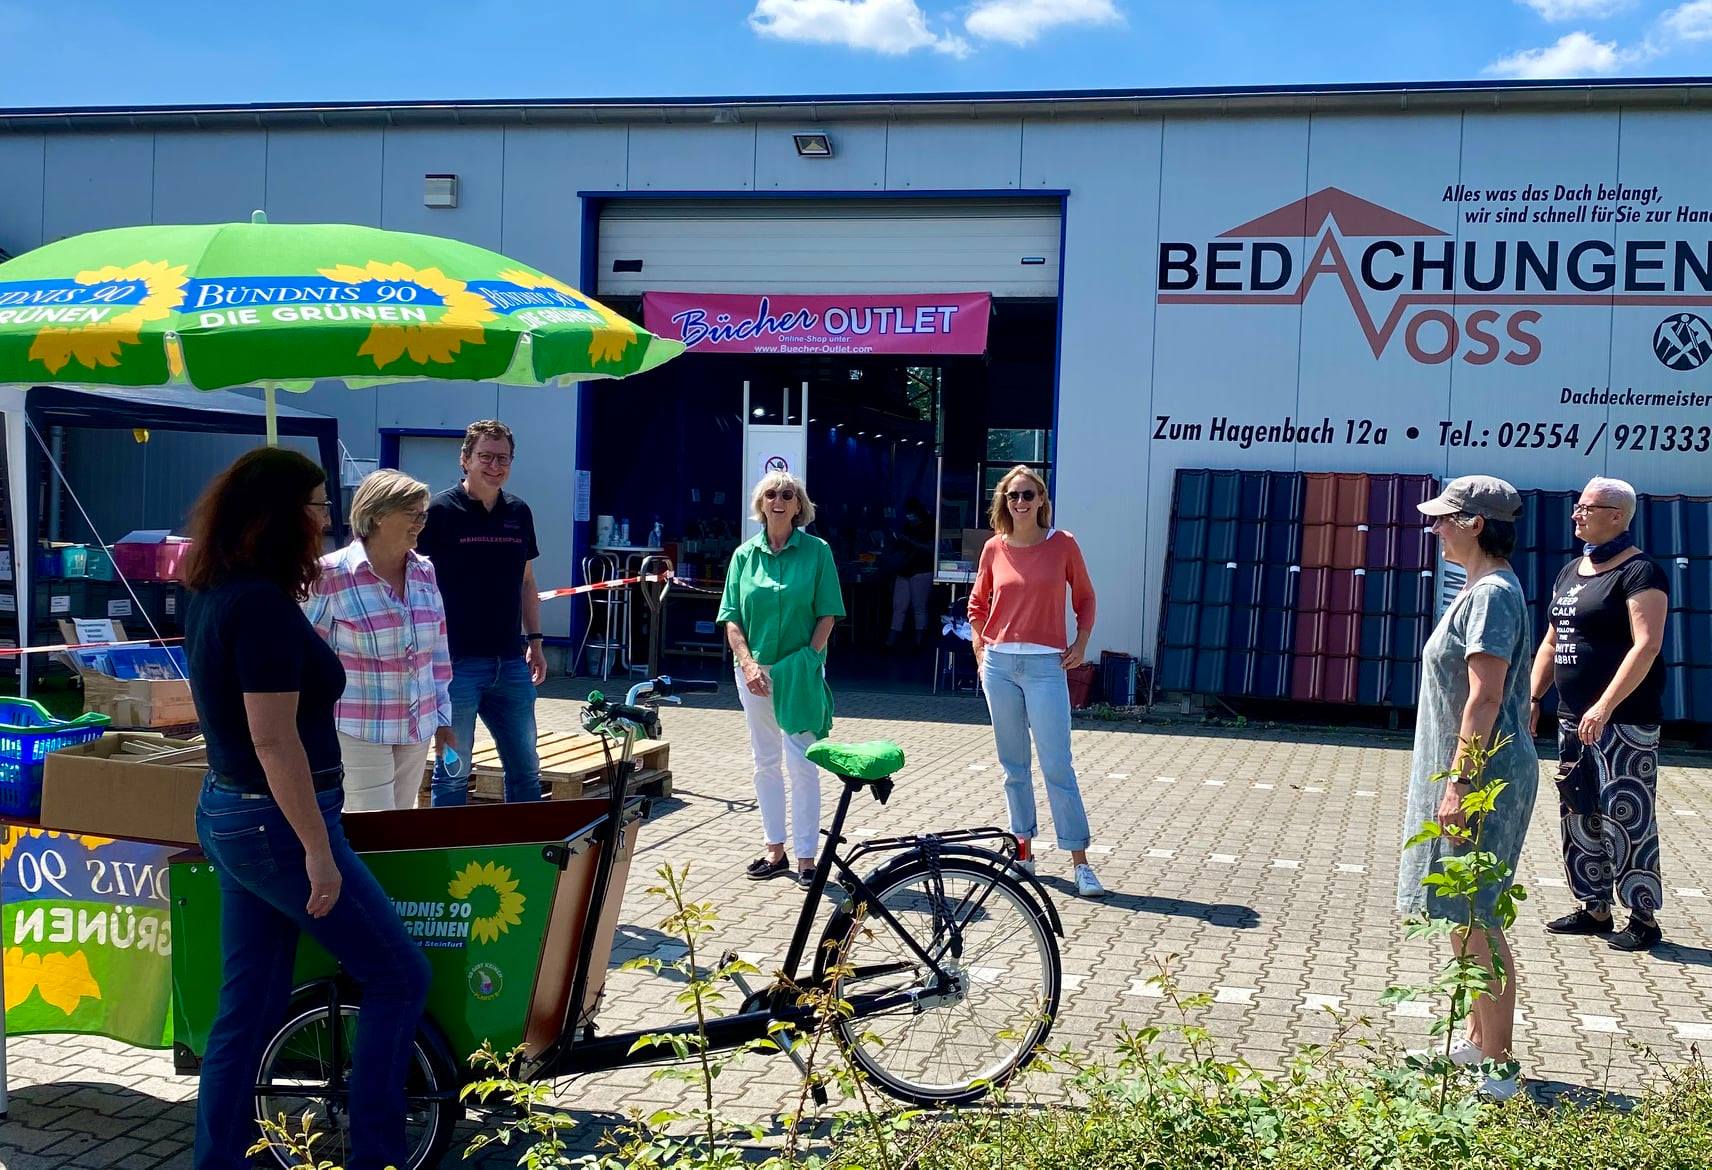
(1474, 683)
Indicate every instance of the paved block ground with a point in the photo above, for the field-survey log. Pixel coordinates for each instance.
(1266, 861)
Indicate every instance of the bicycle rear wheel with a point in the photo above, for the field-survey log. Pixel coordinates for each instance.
(948, 1046)
(297, 1070)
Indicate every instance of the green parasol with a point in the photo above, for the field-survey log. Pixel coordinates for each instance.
(287, 305)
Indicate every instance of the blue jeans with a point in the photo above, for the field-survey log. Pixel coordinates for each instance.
(1030, 692)
(263, 891)
(501, 692)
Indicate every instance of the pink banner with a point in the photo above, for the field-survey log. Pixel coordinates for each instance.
(904, 323)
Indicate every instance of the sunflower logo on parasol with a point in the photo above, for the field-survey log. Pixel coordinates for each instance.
(496, 906)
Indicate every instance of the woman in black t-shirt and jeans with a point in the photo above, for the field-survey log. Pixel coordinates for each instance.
(268, 819)
(1601, 649)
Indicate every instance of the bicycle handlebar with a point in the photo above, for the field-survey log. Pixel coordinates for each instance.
(664, 689)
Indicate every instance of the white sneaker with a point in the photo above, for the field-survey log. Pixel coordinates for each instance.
(1463, 1054)
(1499, 1089)
(1087, 885)
(1026, 864)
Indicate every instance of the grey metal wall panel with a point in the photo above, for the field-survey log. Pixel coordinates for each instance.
(1650, 151)
(474, 155)
(324, 176)
(544, 419)
(209, 176)
(692, 158)
(1104, 388)
(858, 161)
(545, 167)
(21, 163)
(862, 245)
(954, 156)
(95, 181)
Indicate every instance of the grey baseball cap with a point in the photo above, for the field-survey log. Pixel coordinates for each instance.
(1476, 495)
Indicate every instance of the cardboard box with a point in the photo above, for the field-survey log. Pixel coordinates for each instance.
(126, 784)
(137, 693)
(973, 540)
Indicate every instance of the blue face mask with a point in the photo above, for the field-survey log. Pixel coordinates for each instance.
(1600, 553)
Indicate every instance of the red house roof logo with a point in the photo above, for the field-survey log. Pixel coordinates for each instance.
(1353, 215)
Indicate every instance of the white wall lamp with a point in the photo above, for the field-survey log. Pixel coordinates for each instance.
(815, 144)
(439, 190)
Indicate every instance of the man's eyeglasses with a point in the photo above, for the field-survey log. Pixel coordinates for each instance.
(785, 494)
(328, 504)
(1026, 495)
(489, 459)
(1583, 509)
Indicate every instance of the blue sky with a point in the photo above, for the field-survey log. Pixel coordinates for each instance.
(98, 53)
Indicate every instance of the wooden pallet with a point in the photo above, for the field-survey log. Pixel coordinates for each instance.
(573, 766)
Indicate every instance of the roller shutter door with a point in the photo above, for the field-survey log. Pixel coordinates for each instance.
(1008, 247)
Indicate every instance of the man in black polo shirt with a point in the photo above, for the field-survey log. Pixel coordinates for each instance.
(481, 540)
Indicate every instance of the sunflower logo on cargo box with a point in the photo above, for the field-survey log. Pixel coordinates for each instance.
(491, 891)
(1476, 301)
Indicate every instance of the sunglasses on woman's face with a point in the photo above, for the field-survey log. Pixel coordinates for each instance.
(1026, 495)
(785, 494)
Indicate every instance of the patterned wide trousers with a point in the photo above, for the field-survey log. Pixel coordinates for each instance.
(1608, 803)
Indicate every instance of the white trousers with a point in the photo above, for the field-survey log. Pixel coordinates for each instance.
(770, 745)
(380, 776)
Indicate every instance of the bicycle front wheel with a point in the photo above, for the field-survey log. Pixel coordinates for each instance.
(944, 1041)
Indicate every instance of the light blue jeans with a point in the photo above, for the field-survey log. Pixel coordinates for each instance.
(500, 691)
(1029, 692)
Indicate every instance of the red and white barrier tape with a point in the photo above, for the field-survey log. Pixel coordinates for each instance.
(625, 583)
(13, 651)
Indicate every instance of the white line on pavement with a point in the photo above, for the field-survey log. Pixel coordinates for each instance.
(1285, 863)
(1163, 854)
(1346, 867)
(1606, 1025)
(1144, 989)
(1317, 1003)
(1235, 994)
(1222, 858)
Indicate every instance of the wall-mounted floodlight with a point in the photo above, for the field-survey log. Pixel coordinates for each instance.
(815, 144)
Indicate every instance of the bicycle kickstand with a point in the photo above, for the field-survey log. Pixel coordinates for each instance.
(783, 1039)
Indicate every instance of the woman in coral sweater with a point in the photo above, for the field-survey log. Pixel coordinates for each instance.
(1017, 615)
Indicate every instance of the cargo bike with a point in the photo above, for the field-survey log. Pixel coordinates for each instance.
(945, 952)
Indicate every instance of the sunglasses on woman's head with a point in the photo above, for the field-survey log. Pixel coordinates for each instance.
(1026, 495)
(786, 494)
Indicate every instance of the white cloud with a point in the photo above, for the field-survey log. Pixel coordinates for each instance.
(1575, 54)
(1689, 22)
(1556, 10)
(893, 27)
(1020, 22)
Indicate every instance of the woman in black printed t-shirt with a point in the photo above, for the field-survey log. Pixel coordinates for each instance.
(1601, 649)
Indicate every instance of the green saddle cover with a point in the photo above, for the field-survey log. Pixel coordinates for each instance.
(860, 761)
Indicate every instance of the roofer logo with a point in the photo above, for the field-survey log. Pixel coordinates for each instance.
(1683, 341)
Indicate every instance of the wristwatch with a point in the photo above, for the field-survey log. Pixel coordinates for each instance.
(534, 637)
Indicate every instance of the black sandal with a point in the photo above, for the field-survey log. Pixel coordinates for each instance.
(1582, 921)
(761, 868)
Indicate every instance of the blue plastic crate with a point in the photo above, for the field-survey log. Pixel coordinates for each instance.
(27, 734)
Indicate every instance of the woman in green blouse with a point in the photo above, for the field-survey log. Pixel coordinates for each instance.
(781, 598)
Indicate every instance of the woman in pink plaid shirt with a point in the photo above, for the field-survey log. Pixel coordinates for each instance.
(378, 605)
